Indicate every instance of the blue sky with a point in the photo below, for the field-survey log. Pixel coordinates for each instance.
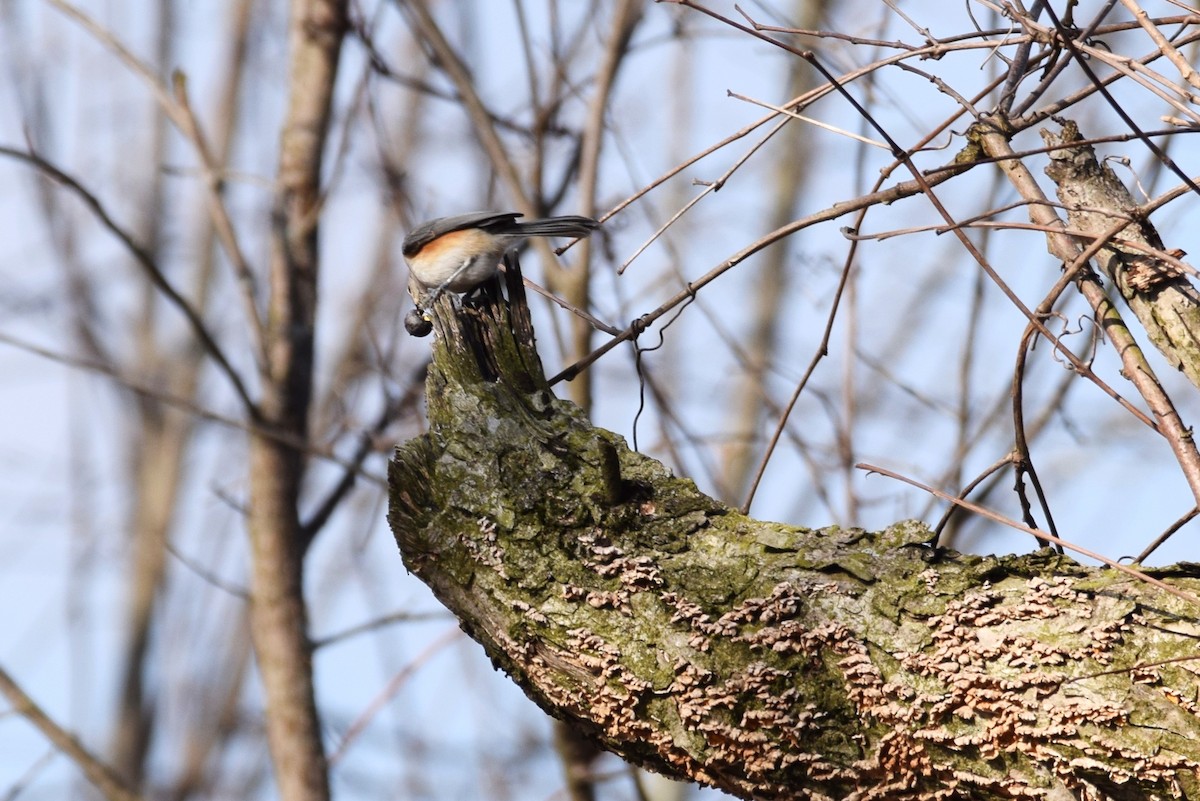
(896, 350)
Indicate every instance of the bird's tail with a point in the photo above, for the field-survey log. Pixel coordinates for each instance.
(573, 225)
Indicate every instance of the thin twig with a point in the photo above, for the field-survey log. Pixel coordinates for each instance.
(709, 188)
(1166, 535)
(387, 693)
(101, 775)
(1070, 546)
(1186, 71)
(148, 265)
(189, 405)
(378, 623)
(820, 353)
(823, 125)
(222, 224)
(989, 471)
(178, 111)
(885, 196)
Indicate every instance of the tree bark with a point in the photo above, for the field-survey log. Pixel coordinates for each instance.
(768, 660)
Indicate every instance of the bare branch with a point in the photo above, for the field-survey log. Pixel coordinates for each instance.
(178, 110)
(1169, 50)
(103, 777)
(148, 265)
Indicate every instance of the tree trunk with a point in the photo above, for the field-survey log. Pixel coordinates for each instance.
(278, 619)
(767, 660)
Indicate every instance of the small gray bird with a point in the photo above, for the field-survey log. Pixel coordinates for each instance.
(461, 252)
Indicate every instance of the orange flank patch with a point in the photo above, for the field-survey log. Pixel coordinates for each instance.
(466, 242)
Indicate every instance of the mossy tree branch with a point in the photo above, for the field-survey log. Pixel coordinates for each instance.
(768, 660)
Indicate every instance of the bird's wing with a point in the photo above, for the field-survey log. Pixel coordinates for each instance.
(425, 233)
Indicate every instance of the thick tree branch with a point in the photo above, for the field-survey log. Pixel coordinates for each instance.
(767, 660)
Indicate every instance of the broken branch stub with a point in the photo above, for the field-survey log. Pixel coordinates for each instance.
(1152, 280)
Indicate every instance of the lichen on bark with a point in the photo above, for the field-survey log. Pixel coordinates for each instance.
(768, 660)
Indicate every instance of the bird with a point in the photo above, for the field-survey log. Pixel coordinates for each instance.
(459, 253)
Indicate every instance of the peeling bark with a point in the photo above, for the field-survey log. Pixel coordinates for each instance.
(768, 660)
